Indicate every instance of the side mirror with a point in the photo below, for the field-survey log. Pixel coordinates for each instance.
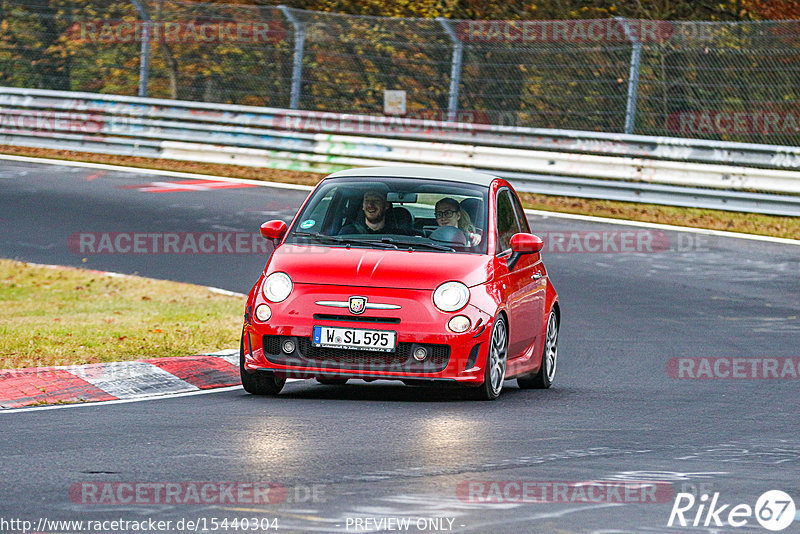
(274, 230)
(523, 244)
(526, 243)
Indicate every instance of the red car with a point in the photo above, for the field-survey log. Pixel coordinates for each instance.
(418, 274)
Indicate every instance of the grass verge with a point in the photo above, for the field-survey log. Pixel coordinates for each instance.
(64, 316)
(748, 223)
(729, 221)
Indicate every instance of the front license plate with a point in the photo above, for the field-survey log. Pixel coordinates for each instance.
(354, 338)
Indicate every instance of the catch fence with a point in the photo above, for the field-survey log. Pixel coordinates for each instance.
(702, 80)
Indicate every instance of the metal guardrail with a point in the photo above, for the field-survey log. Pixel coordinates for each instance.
(659, 170)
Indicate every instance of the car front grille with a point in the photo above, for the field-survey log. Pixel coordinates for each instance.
(399, 361)
(356, 318)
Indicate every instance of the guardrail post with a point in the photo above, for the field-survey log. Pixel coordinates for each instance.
(455, 68)
(299, 45)
(633, 78)
(144, 57)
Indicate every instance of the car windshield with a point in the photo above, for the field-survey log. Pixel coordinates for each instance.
(395, 213)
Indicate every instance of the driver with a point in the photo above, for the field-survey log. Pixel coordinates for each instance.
(449, 213)
(375, 206)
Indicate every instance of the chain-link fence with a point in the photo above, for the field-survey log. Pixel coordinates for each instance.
(729, 81)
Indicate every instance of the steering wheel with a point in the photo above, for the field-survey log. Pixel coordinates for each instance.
(449, 235)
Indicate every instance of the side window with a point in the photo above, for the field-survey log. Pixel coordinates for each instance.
(507, 224)
(521, 218)
(313, 221)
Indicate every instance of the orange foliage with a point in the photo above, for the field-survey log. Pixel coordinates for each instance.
(772, 9)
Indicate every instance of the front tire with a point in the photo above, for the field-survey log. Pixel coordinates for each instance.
(259, 382)
(547, 371)
(495, 373)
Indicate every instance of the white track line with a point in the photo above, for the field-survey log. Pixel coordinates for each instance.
(155, 172)
(225, 292)
(122, 275)
(689, 229)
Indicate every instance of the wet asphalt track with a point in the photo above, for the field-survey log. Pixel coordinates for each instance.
(383, 450)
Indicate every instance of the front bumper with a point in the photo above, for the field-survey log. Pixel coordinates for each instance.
(452, 357)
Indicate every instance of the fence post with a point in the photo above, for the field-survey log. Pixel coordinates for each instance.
(144, 55)
(455, 68)
(297, 65)
(633, 78)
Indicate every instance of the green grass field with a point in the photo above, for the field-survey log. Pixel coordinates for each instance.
(63, 316)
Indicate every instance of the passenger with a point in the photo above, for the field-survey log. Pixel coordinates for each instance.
(374, 206)
(449, 213)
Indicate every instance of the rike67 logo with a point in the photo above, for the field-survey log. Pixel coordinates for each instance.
(774, 510)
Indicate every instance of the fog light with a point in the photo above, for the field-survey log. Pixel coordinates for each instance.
(288, 346)
(263, 313)
(420, 353)
(458, 324)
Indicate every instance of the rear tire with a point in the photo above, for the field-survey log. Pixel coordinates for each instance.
(495, 372)
(547, 371)
(258, 382)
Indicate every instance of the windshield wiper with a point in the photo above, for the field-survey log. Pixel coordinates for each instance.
(322, 237)
(385, 242)
(420, 244)
(344, 240)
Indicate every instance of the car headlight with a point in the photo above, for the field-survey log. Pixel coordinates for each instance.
(277, 287)
(451, 296)
(263, 313)
(458, 324)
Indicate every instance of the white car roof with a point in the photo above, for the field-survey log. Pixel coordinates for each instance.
(416, 171)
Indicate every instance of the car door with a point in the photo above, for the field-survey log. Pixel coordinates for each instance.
(524, 285)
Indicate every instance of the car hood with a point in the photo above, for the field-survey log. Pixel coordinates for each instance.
(378, 267)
